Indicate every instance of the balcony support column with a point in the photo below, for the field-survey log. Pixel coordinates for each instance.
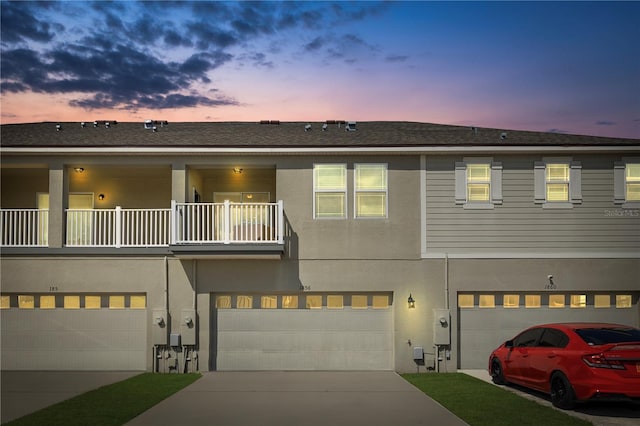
(178, 182)
(58, 196)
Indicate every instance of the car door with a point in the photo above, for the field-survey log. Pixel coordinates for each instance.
(544, 358)
(519, 355)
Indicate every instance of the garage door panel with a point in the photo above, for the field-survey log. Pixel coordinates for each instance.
(303, 339)
(60, 339)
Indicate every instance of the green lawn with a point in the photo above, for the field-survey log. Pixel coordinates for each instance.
(110, 405)
(479, 403)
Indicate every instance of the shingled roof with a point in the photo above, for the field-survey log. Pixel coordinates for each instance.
(284, 135)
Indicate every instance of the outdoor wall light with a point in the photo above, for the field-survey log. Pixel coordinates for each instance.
(237, 170)
(411, 302)
(101, 197)
(79, 169)
(159, 321)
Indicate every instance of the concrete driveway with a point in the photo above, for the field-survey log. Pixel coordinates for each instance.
(299, 398)
(24, 392)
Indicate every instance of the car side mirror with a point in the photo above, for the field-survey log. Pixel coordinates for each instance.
(508, 344)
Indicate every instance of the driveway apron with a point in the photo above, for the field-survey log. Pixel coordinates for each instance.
(296, 398)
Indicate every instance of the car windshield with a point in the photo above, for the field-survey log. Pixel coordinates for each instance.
(603, 336)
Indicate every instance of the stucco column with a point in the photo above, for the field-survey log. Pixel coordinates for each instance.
(178, 182)
(58, 196)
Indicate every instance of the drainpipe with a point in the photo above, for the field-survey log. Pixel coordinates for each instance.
(446, 280)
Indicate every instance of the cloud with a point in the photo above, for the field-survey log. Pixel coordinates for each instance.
(557, 131)
(605, 123)
(19, 24)
(396, 58)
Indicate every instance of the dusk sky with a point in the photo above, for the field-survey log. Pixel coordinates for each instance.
(570, 67)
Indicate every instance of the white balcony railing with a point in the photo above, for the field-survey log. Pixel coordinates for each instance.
(183, 223)
(24, 227)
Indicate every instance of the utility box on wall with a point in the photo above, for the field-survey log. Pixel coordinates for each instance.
(188, 326)
(441, 327)
(159, 321)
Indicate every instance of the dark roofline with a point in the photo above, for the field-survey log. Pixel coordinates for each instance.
(370, 134)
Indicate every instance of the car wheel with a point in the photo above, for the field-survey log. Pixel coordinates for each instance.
(497, 374)
(562, 394)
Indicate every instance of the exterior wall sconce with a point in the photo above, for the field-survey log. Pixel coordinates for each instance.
(101, 197)
(79, 169)
(159, 321)
(237, 170)
(411, 302)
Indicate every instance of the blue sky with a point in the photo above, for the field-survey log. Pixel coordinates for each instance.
(571, 67)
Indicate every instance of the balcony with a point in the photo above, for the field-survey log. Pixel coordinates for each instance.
(181, 227)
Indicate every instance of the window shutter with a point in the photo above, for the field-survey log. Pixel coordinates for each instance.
(496, 183)
(575, 182)
(461, 182)
(539, 190)
(618, 183)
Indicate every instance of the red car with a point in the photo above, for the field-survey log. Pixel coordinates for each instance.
(573, 362)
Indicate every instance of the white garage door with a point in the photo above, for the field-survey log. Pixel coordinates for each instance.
(486, 320)
(322, 338)
(57, 339)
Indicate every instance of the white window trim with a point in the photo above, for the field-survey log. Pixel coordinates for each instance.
(356, 191)
(495, 185)
(619, 183)
(540, 183)
(344, 191)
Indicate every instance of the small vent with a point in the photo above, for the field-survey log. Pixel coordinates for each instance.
(325, 127)
(503, 135)
(307, 128)
(270, 122)
(58, 127)
(350, 126)
(106, 123)
(153, 124)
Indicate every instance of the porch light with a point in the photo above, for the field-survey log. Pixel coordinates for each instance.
(101, 197)
(237, 170)
(411, 302)
(79, 169)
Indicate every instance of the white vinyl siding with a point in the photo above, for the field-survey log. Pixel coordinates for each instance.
(520, 227)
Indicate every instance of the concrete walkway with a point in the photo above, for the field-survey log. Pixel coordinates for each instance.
(299, 398)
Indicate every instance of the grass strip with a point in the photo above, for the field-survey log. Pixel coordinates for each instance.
(110, 405)
(479, 403)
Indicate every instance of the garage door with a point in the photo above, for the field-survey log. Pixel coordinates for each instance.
(488, 319)
(74, 339)
(305, 332)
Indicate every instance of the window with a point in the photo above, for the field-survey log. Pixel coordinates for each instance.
(465, 300)
(578, 301)
(290, 302)
(557, 182)
(552, 338)
(314, 301)
(92, 302)
(370, 190)
(269, 302)
(223, 302)
(626, 175)
(335, 301)
(487, 301)
(244, 302)
(380, 301)
(116, 302)
(532, 301)
(511, 301)
(602, 301)
(528, 338)
(5, 302)
(47, 302)
(623, 300)
(329, 191)
(359, 301)
(73, 302)
(556, 300)
(26, 302)
(138, 301)
(478, 183)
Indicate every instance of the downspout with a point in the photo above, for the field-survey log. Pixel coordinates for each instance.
(446, 280)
